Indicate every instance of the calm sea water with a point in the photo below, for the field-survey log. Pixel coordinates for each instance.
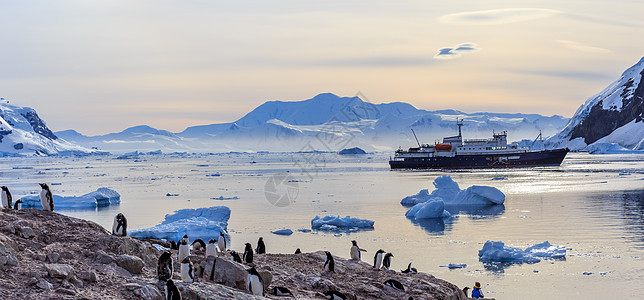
(592, 204)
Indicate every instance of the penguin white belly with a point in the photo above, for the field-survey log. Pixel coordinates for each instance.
(5, 200)
(378, 260)
(355, 253)
(114, 225)
(43, 200)
(221, 244)
(255, 286)
(211, 250)
(186, 275)
(184, 251)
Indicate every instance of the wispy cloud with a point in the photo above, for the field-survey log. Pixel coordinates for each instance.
(497, 16)
(582, 47)
(455, 52)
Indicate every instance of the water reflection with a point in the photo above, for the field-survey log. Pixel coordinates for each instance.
(436, 226)
(439, 226)
(477, 211)
(633, 205)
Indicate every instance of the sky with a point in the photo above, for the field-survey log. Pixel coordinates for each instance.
(103, 66)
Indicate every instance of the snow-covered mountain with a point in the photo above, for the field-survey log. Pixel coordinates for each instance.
(326, 123)
(615, 115)
(23, 133)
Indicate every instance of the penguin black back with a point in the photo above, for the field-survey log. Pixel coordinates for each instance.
(386, 262)
(164, 266)
(261, 248)
(329, 263)
(235, 256)
(298, 251)
(248, 254)
(171, 291)
(47, 198)
(9, 199)
(395, 284)
(17, 205)
(281, 291)
(120, 225)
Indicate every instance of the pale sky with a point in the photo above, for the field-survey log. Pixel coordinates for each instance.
(103, 66)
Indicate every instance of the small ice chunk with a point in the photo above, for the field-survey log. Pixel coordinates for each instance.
(283, 232)
(337, 221)
(171, 195)
(587, 273)
(305, 230)
(455, 266)
(547, 250)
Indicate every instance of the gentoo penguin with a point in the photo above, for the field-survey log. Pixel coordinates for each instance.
(18, 204)
(255, 282)
(184, 250)
(46, 199)
(395, 284)
(409, 270)
(171, 291)
(221, 242)
(377, 259)
(281, 291)
(261, 248)
(211, 248)
(164, 266)
(248, 254)
(119, 227)
(6, 197)
(298, 251)
(329, 263)
(355, 251)
(198, 244)
(186, 239)
(235, 256)
(465, 290)
(187, 271)
(173, 245)
(386, 262)
(334, 295)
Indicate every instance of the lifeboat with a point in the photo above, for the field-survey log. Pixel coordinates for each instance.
(443, 147)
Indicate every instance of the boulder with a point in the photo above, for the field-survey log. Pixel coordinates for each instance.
(227, 272)
(59, 270)
(7, 257)
(131, 263)
(206, 291)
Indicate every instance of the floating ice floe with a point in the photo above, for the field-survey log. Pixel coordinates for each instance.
(200, 223)
(448, 190)
(225, 198)
(305, 230)
(454, 266)
(99, 198)
(497, 251)
(434, 208)
(333, 223)
(282, 232)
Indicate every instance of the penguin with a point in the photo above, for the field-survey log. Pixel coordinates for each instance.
(377, 259)
(187, 271)
(395, 284)
(221, 242)
(235, 256)
(261, 248)
(173, 245)
(355, 250)
(334, 295)
(298, 251)
(409, 270)
(171, 291)
(6, 197)
(18, 204)
(184, 250)
(46, 199)
(211, 248)
(164, 266)
(255, 282)
(386, 262)
(465, 290)
(119, 228)
(248, 254)
(281, 291)
(185, 239)
(329, 263)
(198, 244)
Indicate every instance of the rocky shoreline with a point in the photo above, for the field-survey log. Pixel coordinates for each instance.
(46, 255)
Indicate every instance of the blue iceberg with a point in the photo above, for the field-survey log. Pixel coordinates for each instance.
(331, 223)
(99, 198)
(448, 190)
(283, 232)
(497, 251)
(200, 223)
(434, 208)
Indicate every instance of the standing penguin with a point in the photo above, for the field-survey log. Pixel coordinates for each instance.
(6, 198)
(261, 248)
(185, 239)
(187, 271)
(18, 204)
(255, 282)
(164, 266)
(119, 227)
(184, 250)
(386, 262)
(355, 250)
(46, 199)
(211, 248)
(235, 256)
(298, 251)
(377, 259)
(221, 242)
(248, 254)
(329, 263)
(171, 291)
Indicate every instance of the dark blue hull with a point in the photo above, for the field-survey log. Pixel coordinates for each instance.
(524, 159)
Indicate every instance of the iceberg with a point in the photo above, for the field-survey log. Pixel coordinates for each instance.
(610, 148)
(200, 223)
(330, 223)
(422, 196)
(282, 232)
(434, 208)
(497, 251)
(99, 198)
(449, 192)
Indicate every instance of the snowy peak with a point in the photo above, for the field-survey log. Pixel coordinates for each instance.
(599, 118)
(23, 132)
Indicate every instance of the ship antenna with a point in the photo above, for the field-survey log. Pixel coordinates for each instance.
(412, 131)
(459, 126)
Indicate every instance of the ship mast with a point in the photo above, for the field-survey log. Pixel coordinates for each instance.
(459, 123)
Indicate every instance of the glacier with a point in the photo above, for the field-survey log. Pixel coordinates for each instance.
(199, 223)
(99, 198)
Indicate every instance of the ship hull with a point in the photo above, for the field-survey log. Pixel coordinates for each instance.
(523, 159)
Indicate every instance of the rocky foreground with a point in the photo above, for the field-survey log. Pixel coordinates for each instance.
(45, 255)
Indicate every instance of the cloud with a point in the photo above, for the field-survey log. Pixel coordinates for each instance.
(497, 16)
(455, 52)
(582, 47)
